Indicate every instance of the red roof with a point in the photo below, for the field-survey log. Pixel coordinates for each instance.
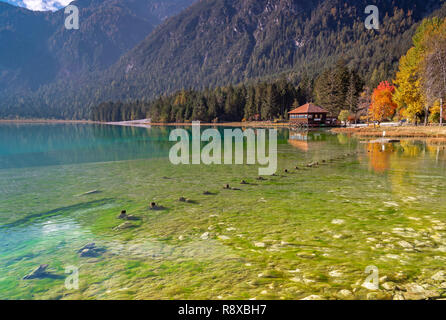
(308, 108)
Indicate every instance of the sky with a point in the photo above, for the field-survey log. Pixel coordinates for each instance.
(39, 5)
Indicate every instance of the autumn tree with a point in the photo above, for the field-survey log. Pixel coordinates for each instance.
(382, 106)
(421, 78)
(434, 63)
(408, 93)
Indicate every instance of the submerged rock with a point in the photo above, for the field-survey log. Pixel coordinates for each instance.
(389, 286)
(125, 225)
(398, 296)
(205, 236)
(313, 297)
(124, 216)
(439, 276)
(405, 244)
(415, 291)
(91, 245)
(90, 251)
(154, 206)
(38, 273)
(89, 193)
(345, 294)
(335, 274)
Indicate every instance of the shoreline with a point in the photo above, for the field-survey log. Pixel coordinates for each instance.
(142, 123)
(145, 123)
(395, 132)
(435, 134)
(47, 121)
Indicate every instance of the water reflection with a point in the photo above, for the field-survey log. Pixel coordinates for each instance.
(30, 145)
(384, 156)
(304, 140)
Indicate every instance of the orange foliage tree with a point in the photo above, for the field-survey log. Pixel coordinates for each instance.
(382, 106)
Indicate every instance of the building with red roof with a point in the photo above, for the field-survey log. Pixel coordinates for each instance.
(309, 115)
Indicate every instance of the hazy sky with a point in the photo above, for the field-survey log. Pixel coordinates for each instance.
(40, 5)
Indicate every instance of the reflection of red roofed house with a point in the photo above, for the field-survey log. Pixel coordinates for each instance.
(303, 140)
(299, 141)
(309, 115)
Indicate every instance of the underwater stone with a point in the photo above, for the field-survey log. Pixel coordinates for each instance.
(90, 250)
(39, 272)
(123, 214)
(205, 236)
(125, 225)
(313, 297)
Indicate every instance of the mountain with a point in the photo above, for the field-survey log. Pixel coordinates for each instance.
(219, 42)
(216, 42)
(36, 49)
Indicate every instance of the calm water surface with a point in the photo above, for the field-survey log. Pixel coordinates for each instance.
(308, 231)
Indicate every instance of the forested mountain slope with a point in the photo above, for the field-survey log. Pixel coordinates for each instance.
(36, 49)
(218, 42)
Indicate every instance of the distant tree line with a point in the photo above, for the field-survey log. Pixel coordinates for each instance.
(260, 101)
(336, 89)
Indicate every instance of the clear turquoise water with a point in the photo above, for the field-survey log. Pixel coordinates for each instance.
(45, 216)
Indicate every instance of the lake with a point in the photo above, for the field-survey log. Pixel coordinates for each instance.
(309, 231)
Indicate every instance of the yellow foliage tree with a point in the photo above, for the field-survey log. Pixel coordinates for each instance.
(412, 94)
(408, 93)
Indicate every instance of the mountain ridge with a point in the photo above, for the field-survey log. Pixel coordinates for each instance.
(221, 42)
(108, 29)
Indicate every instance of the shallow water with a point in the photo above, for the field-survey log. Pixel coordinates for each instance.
(311, 231)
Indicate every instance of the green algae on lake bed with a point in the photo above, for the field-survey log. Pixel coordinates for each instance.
(310, 231)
